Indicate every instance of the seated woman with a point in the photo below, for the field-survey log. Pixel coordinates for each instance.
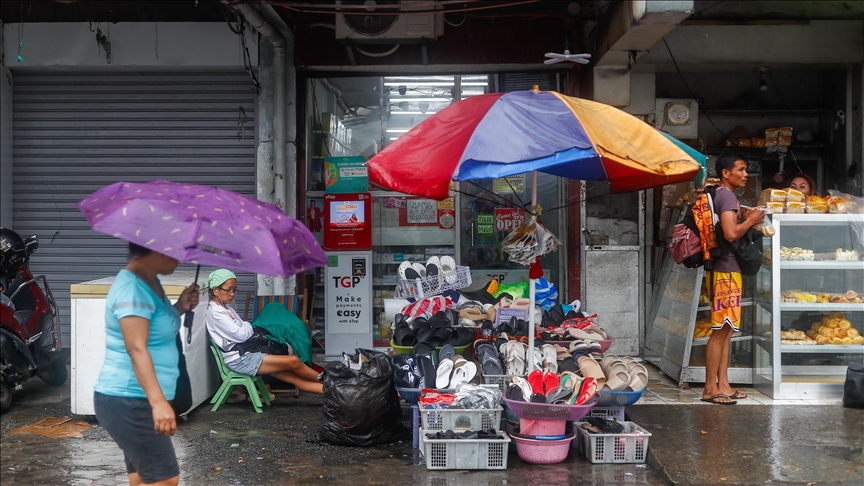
(226, 329)
(803, 183)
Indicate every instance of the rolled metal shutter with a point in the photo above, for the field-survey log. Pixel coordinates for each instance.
(75, 133)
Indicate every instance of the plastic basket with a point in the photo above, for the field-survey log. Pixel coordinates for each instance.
(421, 288)
(547, 411)
(407, 350)
(618, 398)
(612, 413)
(465, 453)
(461, 419)
(624, 448)
(412, 395)
(501, 380)
(543, 451)
(407, 416)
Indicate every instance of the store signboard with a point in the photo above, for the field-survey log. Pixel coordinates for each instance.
(509, 185)
(347, 221)
(345, 175)
(507, 219)
(506, 276)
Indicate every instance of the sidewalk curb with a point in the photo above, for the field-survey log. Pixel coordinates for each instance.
(661, 471)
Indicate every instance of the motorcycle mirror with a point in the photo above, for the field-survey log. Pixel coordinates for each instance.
(31, 244)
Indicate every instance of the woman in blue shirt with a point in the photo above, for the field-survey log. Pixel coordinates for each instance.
(140, 371)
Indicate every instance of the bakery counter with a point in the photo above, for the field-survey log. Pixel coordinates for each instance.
(821, 307)
(823, 348)
(821, 265)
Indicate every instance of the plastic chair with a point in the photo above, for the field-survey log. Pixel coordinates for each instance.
(253, 384)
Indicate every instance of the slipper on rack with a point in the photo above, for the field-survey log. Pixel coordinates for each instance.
(465, 336)
(448, 268)
(446, 351)
(567, 363)
(402, 267)
(514, 392)
(587, 391)
(515, 358)
(578, 345)
(639, 381)
(550, 381)
(428, 372)
(419, 268)
(433, 266)
(550, 358)
(523, 384)
(588, 367)
(559, 394)
(425, 348)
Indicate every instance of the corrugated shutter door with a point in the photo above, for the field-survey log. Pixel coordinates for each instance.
(77, 132)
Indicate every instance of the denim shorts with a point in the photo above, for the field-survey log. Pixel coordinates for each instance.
(129, 421)
(247, 364)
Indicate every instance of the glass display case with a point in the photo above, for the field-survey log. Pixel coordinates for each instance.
(679, 325)
(814, 306)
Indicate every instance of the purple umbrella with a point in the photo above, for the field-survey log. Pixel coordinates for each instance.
(205, 226)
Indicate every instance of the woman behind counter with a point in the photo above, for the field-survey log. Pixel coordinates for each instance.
(140, 371)
(226, 329)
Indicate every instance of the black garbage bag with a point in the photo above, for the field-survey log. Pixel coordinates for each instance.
(361, 407)
(853, 388)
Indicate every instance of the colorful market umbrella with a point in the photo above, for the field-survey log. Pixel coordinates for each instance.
(503, 134)
(205, 226)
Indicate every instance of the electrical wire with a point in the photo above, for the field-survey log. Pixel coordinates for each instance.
(692, 95)
(378, 54)
(708, 8)
(316, 115)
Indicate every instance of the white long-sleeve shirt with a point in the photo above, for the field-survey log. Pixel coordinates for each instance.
(227, 329)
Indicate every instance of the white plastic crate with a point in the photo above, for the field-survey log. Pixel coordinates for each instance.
(465, 453)
(420, 288)
(501, 380)
(624, 448)
(612, 413)
(461, 419)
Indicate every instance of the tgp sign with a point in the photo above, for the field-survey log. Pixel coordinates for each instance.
(507, 219)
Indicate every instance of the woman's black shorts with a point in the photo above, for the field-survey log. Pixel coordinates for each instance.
(129, 421)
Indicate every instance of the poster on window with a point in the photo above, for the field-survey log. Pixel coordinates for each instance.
(422, 211)
(507, 219)
(347, 222)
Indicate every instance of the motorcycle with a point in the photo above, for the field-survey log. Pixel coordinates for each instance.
(29, 321)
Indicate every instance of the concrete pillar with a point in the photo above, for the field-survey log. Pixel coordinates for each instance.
(291, 181)
(265, 164)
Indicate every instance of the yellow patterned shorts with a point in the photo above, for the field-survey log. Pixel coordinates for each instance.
(726, 301)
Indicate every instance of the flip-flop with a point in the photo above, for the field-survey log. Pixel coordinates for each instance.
(425, 348)
(446, 351)
(568, 364)
(738, 395)
(550, 358)
(523, 384)
(535, 379)
(587, 391)
(427, 370)
(550, 382)
(714, 400)
(443, 374)
(514, 393)
(558, 394)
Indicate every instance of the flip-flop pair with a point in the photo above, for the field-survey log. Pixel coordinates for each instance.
(715, 399)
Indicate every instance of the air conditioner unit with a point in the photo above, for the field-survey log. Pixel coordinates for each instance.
(387, 25)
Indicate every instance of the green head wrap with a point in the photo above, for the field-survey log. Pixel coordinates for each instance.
(218, 277)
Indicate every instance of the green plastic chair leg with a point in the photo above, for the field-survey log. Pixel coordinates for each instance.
(265, 395)
(253, 394)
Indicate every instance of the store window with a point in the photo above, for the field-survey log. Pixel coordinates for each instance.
(359, 116)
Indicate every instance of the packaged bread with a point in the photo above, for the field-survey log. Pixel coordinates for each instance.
(772, 133)
(774, 207)
(784, 141)
(816, 205)
(795, 195)
(793, 207)
(785, 131)
(757, 142)
(776, 195)
(731, 142)
(770, 142)
(743, 142)
(836, 205)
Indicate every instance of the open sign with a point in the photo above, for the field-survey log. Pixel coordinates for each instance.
(507, 219)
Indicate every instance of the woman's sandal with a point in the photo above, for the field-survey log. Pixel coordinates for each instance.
(715, 399)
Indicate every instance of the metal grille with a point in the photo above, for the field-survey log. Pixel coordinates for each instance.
(611, 219)
(77, 132)
(522, 81)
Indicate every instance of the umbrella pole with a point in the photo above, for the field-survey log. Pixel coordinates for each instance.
(190, 315)
(531, 292)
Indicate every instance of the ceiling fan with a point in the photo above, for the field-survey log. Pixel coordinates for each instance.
(577, 58)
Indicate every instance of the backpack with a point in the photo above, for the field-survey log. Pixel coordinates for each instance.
(694, 239)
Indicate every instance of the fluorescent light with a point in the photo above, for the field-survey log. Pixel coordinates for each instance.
(412, 113)
(393, 130)
(393, 138)
(442, 83)
(484, 83)
(436, 100)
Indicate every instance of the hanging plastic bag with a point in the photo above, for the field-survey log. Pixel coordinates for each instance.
(529, 241)
(545, 293)
(361, 407)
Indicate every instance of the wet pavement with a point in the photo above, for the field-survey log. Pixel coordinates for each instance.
(234, 445)
(735, 444)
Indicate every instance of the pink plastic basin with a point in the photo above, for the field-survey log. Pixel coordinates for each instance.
(542, 451)
(542, 427)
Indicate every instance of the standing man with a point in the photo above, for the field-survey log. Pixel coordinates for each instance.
(725, 279)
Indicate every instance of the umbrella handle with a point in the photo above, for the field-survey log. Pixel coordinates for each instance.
(189, 316)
